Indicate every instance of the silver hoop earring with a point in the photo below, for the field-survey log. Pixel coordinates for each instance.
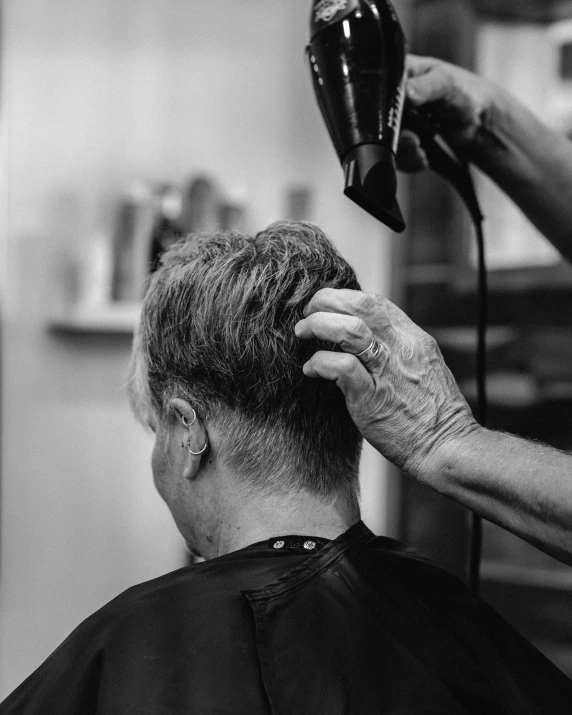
(186, 421)
(197, 453)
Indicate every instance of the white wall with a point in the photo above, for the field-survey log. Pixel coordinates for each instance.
(95, 94)
(520, 58)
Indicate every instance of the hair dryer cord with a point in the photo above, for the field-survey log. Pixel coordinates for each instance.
(481, 380)
(445, 162)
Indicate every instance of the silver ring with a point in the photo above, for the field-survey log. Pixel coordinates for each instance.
(370, 353)
(186, 421)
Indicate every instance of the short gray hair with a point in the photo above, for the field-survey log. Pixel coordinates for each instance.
(217, 329)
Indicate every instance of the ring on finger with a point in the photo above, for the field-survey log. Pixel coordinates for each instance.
(371, 352)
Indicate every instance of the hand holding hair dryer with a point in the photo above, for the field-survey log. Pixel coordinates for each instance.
(357, 55)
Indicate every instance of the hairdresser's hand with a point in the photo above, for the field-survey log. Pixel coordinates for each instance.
(459, 102)
(405, 402)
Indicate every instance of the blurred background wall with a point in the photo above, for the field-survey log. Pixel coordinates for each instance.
(524, 46)
(94, 95)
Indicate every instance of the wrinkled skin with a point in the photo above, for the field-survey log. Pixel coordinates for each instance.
(405, 402)
(458, 100)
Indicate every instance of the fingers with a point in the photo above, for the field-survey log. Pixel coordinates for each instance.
(430, 80)
(433, 86)
(410, 155)
(348, 331)
(416, 64)
(346, 370)
(379, 314)
(334, 300)
(345, 302)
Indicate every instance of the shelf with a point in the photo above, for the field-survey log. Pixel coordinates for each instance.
(113, 319)
(542, 11)
(560, 579)
(461, 279)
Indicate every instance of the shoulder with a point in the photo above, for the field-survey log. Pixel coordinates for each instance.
(407, 561)
(124, 638)
(393, 566)
(135, 605)
(148, 593)
(188, 587)
(150, 636)
(191, 595)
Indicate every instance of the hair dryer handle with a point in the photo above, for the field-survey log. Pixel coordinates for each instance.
(443, 160)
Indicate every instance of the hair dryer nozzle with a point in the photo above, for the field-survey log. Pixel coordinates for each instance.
(371, 182)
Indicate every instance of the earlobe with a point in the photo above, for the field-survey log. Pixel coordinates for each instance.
(193, 465)
(196, 439)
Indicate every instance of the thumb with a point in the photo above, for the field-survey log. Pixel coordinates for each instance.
(434, 85)
(416, 64)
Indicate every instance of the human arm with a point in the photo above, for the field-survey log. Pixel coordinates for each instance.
(490, 128)
(521, 485)
(407, 404)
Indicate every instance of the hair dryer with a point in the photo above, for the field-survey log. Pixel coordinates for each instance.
(357, 56)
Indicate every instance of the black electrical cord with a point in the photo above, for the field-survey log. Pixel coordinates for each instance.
(476, 542)
(444, 161)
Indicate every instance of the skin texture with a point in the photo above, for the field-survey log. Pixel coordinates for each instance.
(500, 136)
(408, 406)
(217, 330)
(215, 510)
(406, 402)
(459, 100)
(215, 362)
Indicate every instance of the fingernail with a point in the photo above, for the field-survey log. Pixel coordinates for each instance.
(297, 329)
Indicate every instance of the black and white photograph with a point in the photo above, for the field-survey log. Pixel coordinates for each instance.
(285, 357)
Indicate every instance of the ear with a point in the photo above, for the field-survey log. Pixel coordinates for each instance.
(191, 433)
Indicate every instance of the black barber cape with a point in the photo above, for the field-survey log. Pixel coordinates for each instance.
(361, 626)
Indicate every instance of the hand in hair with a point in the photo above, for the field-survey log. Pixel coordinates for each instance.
(405, 402)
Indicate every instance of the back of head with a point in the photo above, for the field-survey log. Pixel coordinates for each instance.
(217, 329)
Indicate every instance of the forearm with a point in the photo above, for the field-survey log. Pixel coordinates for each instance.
(406, 404)
(531, 163)
(523, 486)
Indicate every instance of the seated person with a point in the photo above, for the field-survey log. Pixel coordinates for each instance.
(298, 608)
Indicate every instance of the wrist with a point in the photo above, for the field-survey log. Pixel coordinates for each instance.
(447, 463)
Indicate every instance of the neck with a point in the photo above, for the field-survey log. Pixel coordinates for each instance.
(240, 517)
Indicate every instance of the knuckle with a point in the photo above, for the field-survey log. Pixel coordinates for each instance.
(356, 327)
(408, 140)
(383, 358)
(347, 362)
(429, 342)
(368, 303)
(383, 303)
(349, 365)
(325, 294)
(308, 325)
